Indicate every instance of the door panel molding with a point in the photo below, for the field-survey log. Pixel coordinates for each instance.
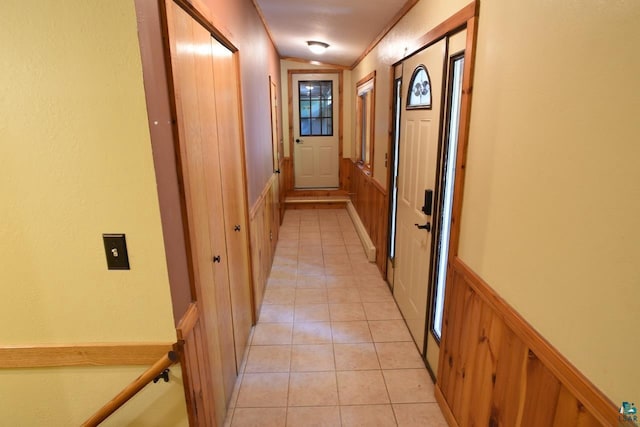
(290, 170)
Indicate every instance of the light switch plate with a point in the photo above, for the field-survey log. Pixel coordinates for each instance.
(115, 248)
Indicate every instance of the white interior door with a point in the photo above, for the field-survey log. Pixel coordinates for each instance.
(417, 173)
(316, 130)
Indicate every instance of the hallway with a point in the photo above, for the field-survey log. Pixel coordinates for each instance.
(330, 347)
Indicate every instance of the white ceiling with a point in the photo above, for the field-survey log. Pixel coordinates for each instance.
(348, 26)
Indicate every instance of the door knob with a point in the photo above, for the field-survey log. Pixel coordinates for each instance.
(277, 171)
(216, 259)
(427, 226)
(298, 141)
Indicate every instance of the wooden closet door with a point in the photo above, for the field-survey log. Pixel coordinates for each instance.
(232, 161)
(192, 72)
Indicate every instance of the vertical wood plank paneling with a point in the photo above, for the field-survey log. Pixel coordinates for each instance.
(490, 374)
(370, 201)
(453, 321)
(465, 357)
(196, 368)
(264, 228)
(542, 391)
(571, 413)
(509, 360)
(478, 390)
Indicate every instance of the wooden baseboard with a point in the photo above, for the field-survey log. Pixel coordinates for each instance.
(444, 407)
(94, 354)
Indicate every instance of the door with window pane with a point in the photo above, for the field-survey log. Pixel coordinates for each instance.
(315, 130)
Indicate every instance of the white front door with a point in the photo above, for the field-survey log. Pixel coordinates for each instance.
(316, 130)
(419, 141)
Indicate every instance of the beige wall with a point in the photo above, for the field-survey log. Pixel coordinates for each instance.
(552, 199)
(347, 104)
(400, 40)
(68, 396)
(75, 162)
(552, 195)
(239, 20)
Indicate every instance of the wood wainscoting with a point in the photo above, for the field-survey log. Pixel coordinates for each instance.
(496, 370)
(264, 226)
(196, 368)
(372, 205)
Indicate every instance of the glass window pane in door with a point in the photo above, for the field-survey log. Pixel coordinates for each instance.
(315, 103)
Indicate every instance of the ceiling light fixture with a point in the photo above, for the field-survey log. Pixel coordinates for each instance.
(317, 47)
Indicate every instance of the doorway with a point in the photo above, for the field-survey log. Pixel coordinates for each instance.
(278, 155)
(316, 130)
(428, 96)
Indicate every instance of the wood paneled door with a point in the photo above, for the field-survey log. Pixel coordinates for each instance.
(204, 78)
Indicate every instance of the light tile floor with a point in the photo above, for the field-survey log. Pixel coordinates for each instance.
(330, 347)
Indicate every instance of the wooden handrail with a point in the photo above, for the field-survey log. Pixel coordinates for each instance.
(129, 391)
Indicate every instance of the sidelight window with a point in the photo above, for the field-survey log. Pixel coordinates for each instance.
(365, 106)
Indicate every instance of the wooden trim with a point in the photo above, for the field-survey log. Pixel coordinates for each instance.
(93, 354)
(452, 25)
(129, 391)
(365, 79)
(204, 17)
(444, 407)
(188, 322)
(463, 135)
(264, 24)
(392, 23)
(600, 406)
(340, 124)
(316, 63)
(152, 53)
(371, 124)
(265, 191)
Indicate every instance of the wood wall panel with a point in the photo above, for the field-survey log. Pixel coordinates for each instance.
(264, 228)
(287, 171)
(496, 370)
(196, 369)
(371, 203)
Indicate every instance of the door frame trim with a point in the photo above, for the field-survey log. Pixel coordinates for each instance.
(340, 74)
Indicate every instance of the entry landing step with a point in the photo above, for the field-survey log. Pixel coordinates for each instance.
(316, 199)
(333, 201)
